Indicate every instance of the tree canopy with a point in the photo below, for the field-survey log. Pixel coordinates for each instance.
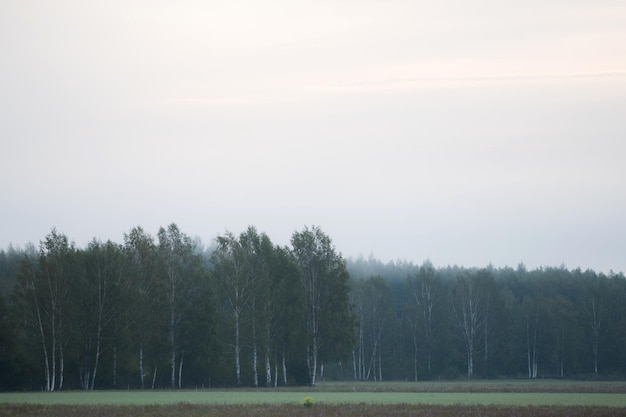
(161, 312)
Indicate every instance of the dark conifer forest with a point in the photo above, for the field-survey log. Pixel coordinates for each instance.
(163, 311)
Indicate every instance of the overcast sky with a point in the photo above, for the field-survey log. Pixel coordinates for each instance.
(458, 131)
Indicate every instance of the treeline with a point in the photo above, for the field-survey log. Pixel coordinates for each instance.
(416, 322)
(164, 312)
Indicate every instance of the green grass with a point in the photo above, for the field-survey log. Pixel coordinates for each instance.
(492, 385)
(246, 397)
(391, 399)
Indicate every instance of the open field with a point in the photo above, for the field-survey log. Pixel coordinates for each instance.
(243, 397)
(492, 385)
(486, 398)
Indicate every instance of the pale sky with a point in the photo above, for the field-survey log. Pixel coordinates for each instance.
(464, 132)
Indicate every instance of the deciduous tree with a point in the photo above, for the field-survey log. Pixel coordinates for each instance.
(324, 278)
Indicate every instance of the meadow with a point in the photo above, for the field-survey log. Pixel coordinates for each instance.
(467, 398)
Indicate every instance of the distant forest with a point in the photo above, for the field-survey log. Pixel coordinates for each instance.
(165, 312)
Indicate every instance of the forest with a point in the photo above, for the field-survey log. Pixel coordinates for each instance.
(164, 311)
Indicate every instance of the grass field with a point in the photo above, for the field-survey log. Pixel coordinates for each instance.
(515, 398)
(268, 397)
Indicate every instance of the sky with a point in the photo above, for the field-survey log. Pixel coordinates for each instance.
(465, 133)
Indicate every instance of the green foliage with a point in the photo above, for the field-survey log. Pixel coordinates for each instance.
(330, 322)
(159, 313)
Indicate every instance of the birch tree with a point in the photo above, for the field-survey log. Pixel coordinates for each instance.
(596, 313)
(99, 297)
(288, 312)
(257, 253)
(177, 257)
(425, 295)
(468, 307)
(43, 293)
(140, 250)
(234, 287)
(374, 306)
(329, 321)
(563, 329)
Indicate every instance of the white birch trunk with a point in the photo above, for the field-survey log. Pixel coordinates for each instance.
(255, 354)
(596, 324)
(54, 359)
(268, 369)
(43, 337)
(180, 371)
(61, 366)
(314, 370)
(372, 361)
(361, 354)
(141, 370)
(534, 350)
(114, 366)
(237, 351)
(96, 360)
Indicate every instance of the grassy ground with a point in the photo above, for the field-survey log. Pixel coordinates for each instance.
(242, 397)
(470, 398)
(493, 385)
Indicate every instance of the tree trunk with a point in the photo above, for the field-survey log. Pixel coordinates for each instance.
(255, 354)
(114, 366)
(96, 361)
(415, 356)
(535, 345)
(470, 359)
(172, 341)
(54, 343)
(361, 354)
(596, 323)
(486, 339)
(61, 366)
(141, 371)
(173, 368)
(180, 370)
(315, 348)
(43, 339)
(237, 352)
(372, 361)
(268, 369)
(530, 375)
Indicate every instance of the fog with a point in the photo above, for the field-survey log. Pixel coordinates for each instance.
(407, 130)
